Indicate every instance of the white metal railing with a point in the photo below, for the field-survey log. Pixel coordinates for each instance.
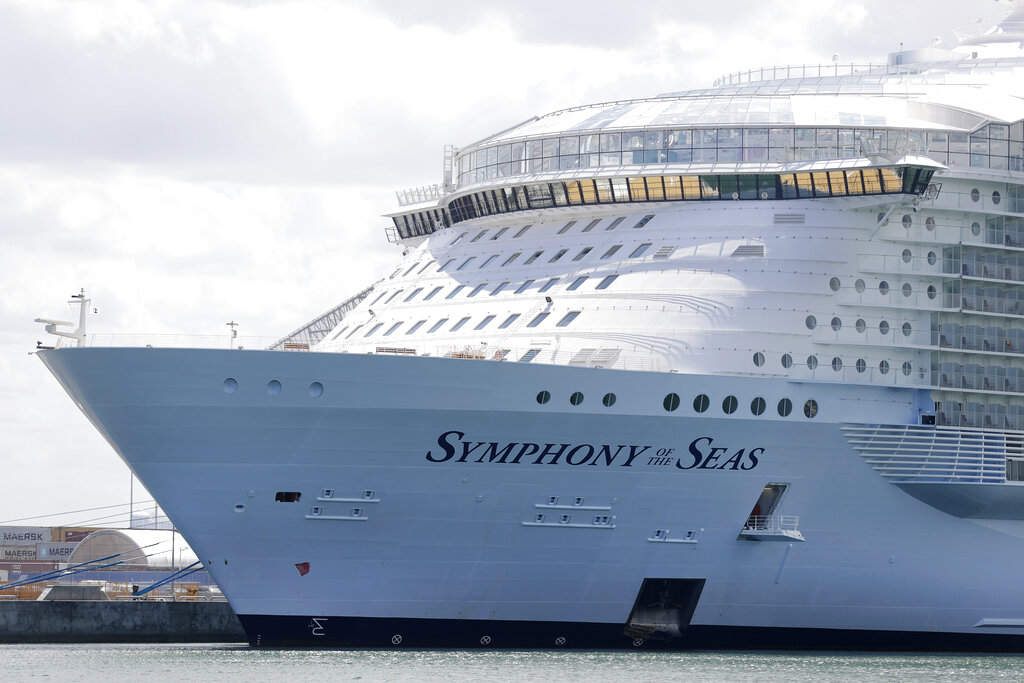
(776, 523)
(418, 195)
(772, 73)
(210, 341)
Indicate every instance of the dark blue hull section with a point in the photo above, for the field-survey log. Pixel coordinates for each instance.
(381, 633)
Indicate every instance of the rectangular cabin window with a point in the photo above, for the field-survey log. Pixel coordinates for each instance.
(533, 258)
(603, 284)
(577, 282)
(567, 228)
(500, 287)
(457, 239)
(479, 235)
(354, 330)
(393, 328)
(379, 296)
(374, 329)
(456, 326)
(523, 287)
(549, 284)
(499, 234)
(466, 262)
(582, 254)
(410, 269)
(445, 264)
(522, 231)
(458, 288)
(339, 332)
(397, 292)
(436, 326)
(414, 293)
(288, 496)
(615, 223)
(476, 290)
(416, 326)
(512, 258)
(488, 261)
(560, 254)
(508, 321)
(611, 251)
(644, 221)
(426, 265)
(567, 320)
(591, 225)
(640, 250)
(433, 292)
(538, 320)
(483, 323)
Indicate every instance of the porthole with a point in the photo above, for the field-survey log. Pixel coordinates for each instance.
(859, 286)
(975, 228)
(929, 223)
(883, 367)
(729, 405)
(907, 329)
(907, 221)
(787, 361)
(273, 387)
(758, 359)
(671, 402)
(811, 322)
(543, 397)
(608, 400)
(880, 217)
(785, 407)
(812, 362)
(861, 365)
(316, 389)
(932, 291)
(757, 406)
(975, 195)
(906, 256)
(837, 324)
(883, 287)
(907, 368)
(996, 197)
(861, 325)
(576, 398)
(810, 408)
(834, 284)
(701, 403)
(932, 258)
(883, 328)
(837, 363)
(907, 289)
(230, 385)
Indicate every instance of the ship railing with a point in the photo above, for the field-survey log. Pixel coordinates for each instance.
(418, 195)
(788, 71)
(182, 341)
(772, 523)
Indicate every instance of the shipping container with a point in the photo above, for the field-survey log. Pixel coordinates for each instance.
(24, 535)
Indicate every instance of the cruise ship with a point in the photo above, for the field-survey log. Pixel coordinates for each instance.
(740, 367)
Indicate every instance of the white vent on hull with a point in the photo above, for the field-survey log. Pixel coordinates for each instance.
(790, 219)
(749, 250)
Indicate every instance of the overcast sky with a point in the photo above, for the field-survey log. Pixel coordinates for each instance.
(191, 163)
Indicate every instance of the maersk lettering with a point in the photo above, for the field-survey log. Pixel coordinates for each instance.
(704, 454)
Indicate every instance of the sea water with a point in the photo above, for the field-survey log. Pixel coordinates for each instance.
(223, 663)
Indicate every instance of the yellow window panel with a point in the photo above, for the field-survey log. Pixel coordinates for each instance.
(655, 190)
(673, 188)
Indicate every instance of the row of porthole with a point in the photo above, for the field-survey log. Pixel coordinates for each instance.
(700, 404)
(230, 386)
(883, 327)
(837, 364)
(883, 286)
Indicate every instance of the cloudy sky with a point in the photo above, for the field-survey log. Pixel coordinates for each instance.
(195, 162)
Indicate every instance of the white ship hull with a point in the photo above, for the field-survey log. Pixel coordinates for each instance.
(442, 505)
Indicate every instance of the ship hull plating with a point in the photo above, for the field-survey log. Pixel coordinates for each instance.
(441, 503)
